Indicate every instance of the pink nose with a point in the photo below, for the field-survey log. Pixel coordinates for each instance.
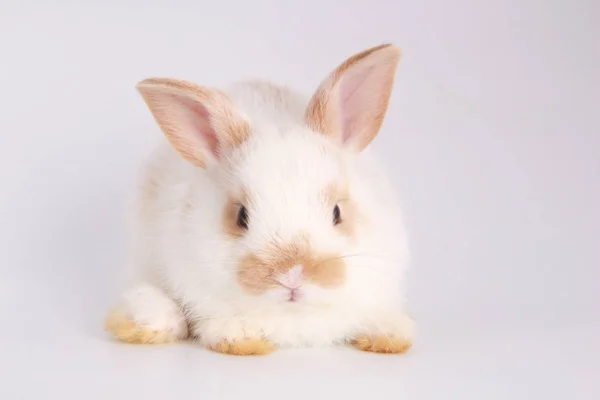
(292, 287)
(292, 279)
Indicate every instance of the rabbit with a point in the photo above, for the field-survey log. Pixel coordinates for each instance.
(263, 220)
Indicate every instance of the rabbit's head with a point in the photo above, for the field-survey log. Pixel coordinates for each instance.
(291, 209)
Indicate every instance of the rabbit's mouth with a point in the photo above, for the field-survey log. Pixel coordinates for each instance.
(295, 295)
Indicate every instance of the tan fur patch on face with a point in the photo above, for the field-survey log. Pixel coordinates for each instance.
(258, 272)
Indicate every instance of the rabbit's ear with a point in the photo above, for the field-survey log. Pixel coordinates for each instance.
(351, 103)
(200, 123)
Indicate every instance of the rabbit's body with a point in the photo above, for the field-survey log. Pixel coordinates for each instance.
(280, 274)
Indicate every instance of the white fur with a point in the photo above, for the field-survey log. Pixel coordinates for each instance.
(150, 308)
(178, 247)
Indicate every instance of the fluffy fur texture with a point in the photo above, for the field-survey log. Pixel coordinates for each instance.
(295, 275)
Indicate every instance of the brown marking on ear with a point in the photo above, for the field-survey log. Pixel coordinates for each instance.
(230, 215)
(257, 273)
(323, 111)
(175, 103)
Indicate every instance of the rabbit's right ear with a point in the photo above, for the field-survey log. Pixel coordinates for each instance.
(200, 123)
(350, 105)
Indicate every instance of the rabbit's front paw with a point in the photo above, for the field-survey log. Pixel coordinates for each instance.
(243, 347)
(232, 336)
(391, 333)
(382, 344)
(146, 316)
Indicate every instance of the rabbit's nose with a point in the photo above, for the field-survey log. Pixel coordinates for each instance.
(292, 278)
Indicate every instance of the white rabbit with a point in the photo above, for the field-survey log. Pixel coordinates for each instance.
(263, 222)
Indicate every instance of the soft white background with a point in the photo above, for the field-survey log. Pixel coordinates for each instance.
(493, 134)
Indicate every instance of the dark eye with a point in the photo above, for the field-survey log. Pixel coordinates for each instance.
(337, 216)
(242, 218)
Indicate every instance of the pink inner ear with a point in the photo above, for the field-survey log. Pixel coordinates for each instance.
(352, 101)
(198, 122)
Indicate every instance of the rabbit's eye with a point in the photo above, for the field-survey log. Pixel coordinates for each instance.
(242, 218)
(337, 216)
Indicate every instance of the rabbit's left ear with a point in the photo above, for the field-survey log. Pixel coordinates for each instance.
(199, 122)
(351, 103)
